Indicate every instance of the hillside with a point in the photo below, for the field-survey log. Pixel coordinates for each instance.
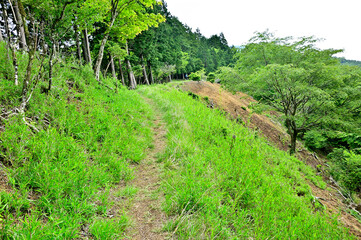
(98, 142)
(237, 106)
(155, 162)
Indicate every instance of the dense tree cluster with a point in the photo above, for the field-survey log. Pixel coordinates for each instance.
(319, 97)
(174, 50)
(126, 37)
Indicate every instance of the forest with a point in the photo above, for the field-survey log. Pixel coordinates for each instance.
(99, 141)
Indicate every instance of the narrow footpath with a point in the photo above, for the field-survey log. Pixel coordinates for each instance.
(146, 212)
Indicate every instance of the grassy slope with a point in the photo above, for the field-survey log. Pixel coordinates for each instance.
(62, 176)
(224, 182)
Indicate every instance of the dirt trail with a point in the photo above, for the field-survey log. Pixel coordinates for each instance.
(148, 218)
(237, 105)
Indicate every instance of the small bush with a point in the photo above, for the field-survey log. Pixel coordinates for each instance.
(195, 77)
(211, 77)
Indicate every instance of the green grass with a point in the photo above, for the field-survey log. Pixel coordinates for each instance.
(224, 182)
(61, 177)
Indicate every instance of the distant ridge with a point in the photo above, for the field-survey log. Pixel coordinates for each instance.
(345, 61)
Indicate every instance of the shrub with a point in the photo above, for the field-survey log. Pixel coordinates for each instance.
(195, 77)
(211, 77)
(346, 168)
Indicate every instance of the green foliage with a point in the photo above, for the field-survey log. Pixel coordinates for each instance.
(308, 85)
(174, 43)
(195, 77)
(346, 167)
(198, 76)
(166, 70)
(222, 181)
(229, 77)
(211, 77)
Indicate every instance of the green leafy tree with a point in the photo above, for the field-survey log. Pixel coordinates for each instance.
(289, 90)
(306, 84)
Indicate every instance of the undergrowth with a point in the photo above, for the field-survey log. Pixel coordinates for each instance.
(225, 182)
(61, 177)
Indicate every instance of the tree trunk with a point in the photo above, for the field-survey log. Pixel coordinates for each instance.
(292, 130)
(15, 64)
(77, 41)
(106, 70)
(26, 82)
(150, 72)
(102, 46)
(20, 25)
(144, 71)
(6, 23)
(100, 57)
(86, 47)
(1, 37)
(51, 67)
(57, 46)
(43, 45)
(121, 75)
(293, 142)
(113, 67)
(11, 46)
(132, 81)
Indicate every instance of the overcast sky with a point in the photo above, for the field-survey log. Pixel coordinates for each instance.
(336, 21)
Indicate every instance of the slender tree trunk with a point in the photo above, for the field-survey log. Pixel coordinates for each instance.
(6, 23)
(86, 47)
(144, 71)
(132, 81)
(77, 41)
(51, 67)
(293, 142)
(43, 45)
(113, 67)
(100, 57)
(20, 25)
(150, 73)
(102, 46)
(11, 46)
(15, 64)
(26, 82)
(121, 75)
(57, 46)
(1, 37)
(292, 130)
(106, 70)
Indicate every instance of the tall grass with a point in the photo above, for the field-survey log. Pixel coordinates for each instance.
(225, 182)
(61, 176)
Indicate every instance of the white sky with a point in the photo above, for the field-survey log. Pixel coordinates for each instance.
(336, 21)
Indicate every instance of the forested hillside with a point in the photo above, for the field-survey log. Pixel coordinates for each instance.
(88, 153)
(319, 98)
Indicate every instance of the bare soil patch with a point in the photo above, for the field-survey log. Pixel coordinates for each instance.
(146, 208)
(237, 105)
